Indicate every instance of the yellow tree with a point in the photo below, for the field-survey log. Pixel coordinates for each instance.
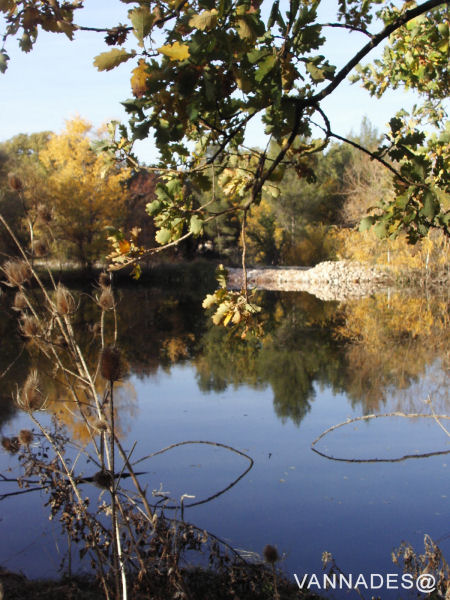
(86, 192)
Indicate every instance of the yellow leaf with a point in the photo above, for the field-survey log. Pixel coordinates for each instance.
(66, 28)
(139, 79)
(205, 20)
(124, 246)
(227, 319)
(236, 317)
(175, 51)
(111, 59)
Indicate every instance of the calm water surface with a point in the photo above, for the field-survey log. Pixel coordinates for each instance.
(317, 365)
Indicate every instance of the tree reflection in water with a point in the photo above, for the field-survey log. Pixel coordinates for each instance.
(375, 350)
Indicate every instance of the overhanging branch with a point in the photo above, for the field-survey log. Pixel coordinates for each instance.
(375, 41)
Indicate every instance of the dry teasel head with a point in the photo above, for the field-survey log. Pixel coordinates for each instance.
(104, 280)
(327, 559)
(112, 366)
(11, 445)
(40, 248)
(65, 303)
(106, 300)
(270, 554)
(30, 398)
(29, 326)
(116, 35)
(20, 302)
(17, 272)
(100, 425)
(15, 183)
(26, 437)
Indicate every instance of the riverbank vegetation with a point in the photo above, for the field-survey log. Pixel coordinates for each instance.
(86, 198)
(366, 350)
(72, 345)
(135, 544)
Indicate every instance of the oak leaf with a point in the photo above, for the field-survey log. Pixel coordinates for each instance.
(142, 20)
(139, 79)
(205, 20)
(124, 246)
(111, 59)
(175, 51)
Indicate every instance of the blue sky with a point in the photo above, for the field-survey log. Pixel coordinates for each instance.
(57, 81)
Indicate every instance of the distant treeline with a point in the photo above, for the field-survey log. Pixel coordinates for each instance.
(74, 194)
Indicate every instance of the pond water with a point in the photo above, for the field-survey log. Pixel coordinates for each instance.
(317, 365)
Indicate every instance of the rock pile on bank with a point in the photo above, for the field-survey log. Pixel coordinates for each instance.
(330, 280)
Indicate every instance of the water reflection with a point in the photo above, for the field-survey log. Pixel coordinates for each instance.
(297, 350)
(368, 349)
(374, 350)
(313, 359)
(392, 342)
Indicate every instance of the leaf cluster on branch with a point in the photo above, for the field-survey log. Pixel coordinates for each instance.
(202, 71)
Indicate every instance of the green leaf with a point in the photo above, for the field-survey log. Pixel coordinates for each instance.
(380, 229)
(366, 223)
(316, 73)
(221, 276)
(163, 236)
(204, 21)
(152, 208)
(110, 60)
(173, 186)
(196, 225)
(273, 14)
(265, 67)
(142, 20)
(140, 132)
(430, 206)
(252, 308)
(26, 43)
(255, 55)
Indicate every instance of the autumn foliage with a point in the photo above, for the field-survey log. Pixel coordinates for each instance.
(86, 193)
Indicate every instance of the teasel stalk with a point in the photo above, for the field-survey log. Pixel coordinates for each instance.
(112, 369)
(270, 554)
(31, 398)
(66, 330)
(68, 473)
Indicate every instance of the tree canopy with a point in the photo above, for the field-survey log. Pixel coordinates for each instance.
(201, 71)
(63, 191)
(86, 192)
